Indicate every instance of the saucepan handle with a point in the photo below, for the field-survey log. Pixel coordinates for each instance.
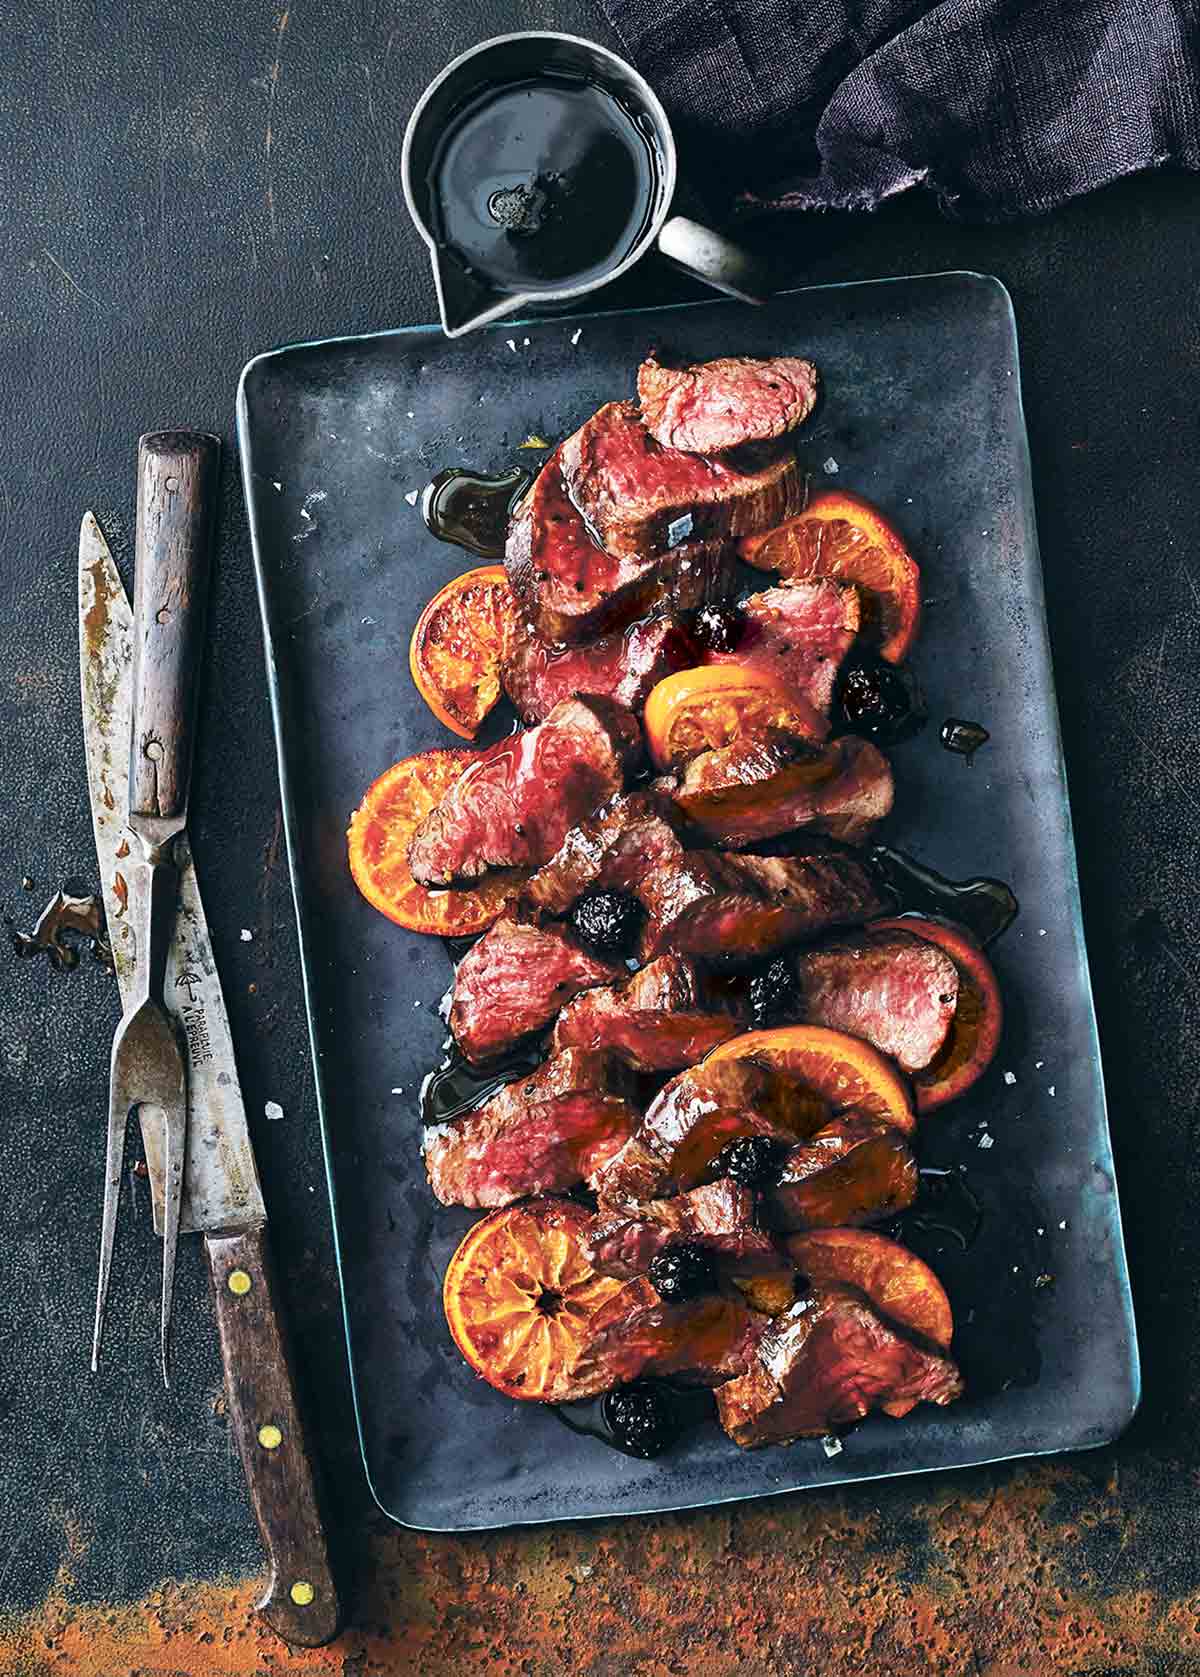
(713, 258)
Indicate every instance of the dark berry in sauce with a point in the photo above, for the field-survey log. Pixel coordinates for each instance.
(682, 1272)
(718, 628)
(774, 995)
(874, 700)
(640, 1419)
(752, 1161)
(963, 737)
(608, 921)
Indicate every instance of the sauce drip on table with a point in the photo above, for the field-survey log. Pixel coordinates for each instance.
(986, 907)
(80, 917)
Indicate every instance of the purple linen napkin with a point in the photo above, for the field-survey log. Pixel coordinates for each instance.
(1001, 107)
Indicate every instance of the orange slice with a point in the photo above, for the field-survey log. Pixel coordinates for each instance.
(705, 708)
(392, 809)
(520, 1297)
(841, 535)
(974, 1034)
(461, 639)
(846, 1071)
(896, 1281)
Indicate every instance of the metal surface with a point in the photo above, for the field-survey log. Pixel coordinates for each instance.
(220, 1179)
(922, 412)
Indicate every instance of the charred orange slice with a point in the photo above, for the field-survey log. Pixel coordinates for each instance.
(974, 1034)
(520, 1297)
(702, 709)
(844, 1070)
(841, 535)
(392, 809)
(896, 1281)
(459, 644)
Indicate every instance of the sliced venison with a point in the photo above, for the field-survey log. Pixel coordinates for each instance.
(655, 1019)
(721, 404)
(637, 1335)
(719, 1217)
(623, 666)
(898, 991)
(799, 633)
(826, 1362)
(638, 497)
(751, 791)
(515, 804)
(611, 849)
(855, 1169)
(513, 981)
(544, 1134)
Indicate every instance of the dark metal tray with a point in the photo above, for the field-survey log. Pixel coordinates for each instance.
(922, 412)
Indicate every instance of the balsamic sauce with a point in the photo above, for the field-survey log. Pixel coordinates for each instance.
(944, 1205)
(965, 738)
(456, 1087)
(82, 918)
(541, 183)
(986, 907)
(472, 509)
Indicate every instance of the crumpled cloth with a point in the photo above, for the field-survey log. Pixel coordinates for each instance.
(1001, 107)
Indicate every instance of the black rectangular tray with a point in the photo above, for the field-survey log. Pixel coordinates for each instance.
(922, 412)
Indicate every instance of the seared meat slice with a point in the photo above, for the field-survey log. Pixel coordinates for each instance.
(799, 633)
(611, 850)
(622, 666)
(639, 497)
(516, 803)
(748, 792)
(514, 980)
(636, 1335)
(694, 1116)
(855, 1169)
(655, 1020)
(720, 1217)
(738, 908)
(827, 1361)
(898, 991)
(722, 404)
(541, 1135)
(571, 589)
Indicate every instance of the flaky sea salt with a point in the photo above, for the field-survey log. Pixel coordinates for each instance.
(986, 1141)
(273, 1110)
(831, 1444)
(1010, 1077)
(830, 466)
(412, 496)
(247, 935)
(577, 334)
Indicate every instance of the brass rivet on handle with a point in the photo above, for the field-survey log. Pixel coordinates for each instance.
(302, 1593)
(238, 1282)
(270, 1437)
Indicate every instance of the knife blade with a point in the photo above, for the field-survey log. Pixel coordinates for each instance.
(222, 1197)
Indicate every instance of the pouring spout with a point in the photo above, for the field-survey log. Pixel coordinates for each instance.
(465, 298)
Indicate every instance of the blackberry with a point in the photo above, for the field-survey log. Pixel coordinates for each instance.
(608, 921)
(751, 1160)
(681, 1272)
(774, 994)
(640, 1419)
(718, 628)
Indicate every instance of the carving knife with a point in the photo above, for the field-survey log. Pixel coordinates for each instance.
(220, 1198)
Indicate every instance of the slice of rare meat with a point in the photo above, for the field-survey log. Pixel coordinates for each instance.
(898, 991)
(514, 980)
(718, 1217)
(514, 805)
(656, 1019)
(799, 633)
(825, 1363)
(544, 1134)
(855, 1169)
(751, 791)
(694, 1116)
(721, 404)
(636, 1335)
(736, 909)
(610, 850)
(622, 665)
(638, 497)
(570, 589)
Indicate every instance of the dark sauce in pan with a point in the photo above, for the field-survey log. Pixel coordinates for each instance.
(472, 509)
(986, 907)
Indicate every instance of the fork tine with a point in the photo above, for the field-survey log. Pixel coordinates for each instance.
(174, 1149)
(118, 1117)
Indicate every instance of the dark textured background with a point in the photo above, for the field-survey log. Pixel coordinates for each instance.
(186, 186)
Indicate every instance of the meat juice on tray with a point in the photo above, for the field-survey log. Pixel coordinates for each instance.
(692, 1046)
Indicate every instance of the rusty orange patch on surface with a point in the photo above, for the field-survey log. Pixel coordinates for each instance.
(987, 1581)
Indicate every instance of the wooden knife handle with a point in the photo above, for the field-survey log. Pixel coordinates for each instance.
(176, 500)
(301, 1603)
